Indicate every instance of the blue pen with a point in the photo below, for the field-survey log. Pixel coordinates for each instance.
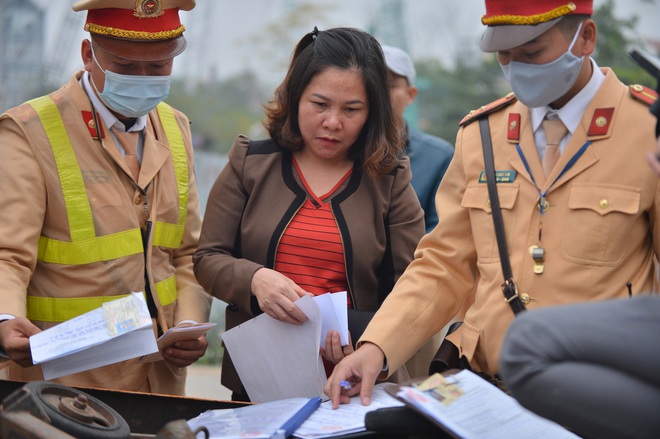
(292, 424)
(347, 385)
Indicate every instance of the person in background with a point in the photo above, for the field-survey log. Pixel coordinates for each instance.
(592, 367)
(324, 205)
(579, 203)
(429, 155)
(429, 158)
(100, 198)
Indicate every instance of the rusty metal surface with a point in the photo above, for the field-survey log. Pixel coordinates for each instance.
(145, 413)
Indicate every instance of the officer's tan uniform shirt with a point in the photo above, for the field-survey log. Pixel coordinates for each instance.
(600, 231)
(33, 205)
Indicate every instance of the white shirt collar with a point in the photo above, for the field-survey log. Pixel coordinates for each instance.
(571, 113)
(109, 119)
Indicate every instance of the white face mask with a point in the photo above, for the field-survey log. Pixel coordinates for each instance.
(537, 85)
(132, 95)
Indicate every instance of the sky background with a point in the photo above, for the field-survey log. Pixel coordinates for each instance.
(227, 37)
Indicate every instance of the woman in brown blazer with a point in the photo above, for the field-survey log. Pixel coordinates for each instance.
(324, 205)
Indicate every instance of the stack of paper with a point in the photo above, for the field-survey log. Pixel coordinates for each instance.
(277, 360)
(121, 329)
(276, 419)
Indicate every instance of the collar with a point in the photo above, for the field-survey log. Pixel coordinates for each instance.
(571, 113)
(109, 119)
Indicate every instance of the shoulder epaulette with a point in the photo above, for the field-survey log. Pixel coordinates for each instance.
(488, 108)
(643, 93)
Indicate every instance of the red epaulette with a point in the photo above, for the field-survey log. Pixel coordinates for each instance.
(488, 108)
(643, 93)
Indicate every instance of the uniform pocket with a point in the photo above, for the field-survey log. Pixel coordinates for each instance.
(600, 220)
(476, 199)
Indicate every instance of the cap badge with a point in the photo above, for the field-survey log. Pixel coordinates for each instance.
(148, 8)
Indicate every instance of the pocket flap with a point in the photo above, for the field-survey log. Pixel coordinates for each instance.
(476, 197)
(604, 199)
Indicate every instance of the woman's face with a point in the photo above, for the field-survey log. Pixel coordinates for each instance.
(331, 113)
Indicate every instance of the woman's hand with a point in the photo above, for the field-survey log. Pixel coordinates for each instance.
(276, 294)
(334, 351)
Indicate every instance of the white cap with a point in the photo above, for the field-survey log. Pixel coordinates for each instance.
(400, 63)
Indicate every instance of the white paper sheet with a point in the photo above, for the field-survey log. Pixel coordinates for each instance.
(119, 330)
(348, 418)
(258, 421)
(334, 315)
(277, 360)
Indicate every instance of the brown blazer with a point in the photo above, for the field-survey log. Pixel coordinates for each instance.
(600, 232)
(31, 193)
(255, 197)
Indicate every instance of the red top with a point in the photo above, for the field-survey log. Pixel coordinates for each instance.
(310, 251)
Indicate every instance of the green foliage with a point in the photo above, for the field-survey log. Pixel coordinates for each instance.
(446, 96)
(218, 111)
(614, 42)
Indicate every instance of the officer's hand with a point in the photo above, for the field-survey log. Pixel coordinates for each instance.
(361, 368)
(276, 294)
(334, 351)
(14, 339)
(183, 353)
(654, 159)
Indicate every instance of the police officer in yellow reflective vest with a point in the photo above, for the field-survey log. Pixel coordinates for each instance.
(99, 198)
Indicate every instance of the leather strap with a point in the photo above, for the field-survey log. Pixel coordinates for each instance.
(509, 287)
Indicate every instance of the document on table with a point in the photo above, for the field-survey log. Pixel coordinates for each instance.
(277, 360)
(472, 408)
(275, 419)
(119, 330)
(348, 418)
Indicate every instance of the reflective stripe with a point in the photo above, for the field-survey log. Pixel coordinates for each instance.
(165, 234)
(103, 248)
(58, 309)
(85, 247)
(166, 291)
(81, 225)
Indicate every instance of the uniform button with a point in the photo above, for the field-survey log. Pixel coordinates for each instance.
(524, 298)
(138, 199)
(603, 203)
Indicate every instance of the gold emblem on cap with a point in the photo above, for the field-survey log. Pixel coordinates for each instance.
(148, 8)
(601, 121)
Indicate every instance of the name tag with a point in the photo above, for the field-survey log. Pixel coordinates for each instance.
(500, 176)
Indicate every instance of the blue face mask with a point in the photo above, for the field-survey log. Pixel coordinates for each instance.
(537, 85)
(132, 95)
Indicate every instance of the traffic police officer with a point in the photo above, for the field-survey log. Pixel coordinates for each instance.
(100, 198)
(580, 225)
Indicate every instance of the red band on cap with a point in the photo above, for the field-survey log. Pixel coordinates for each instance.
(512, 12)
(121, 23)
